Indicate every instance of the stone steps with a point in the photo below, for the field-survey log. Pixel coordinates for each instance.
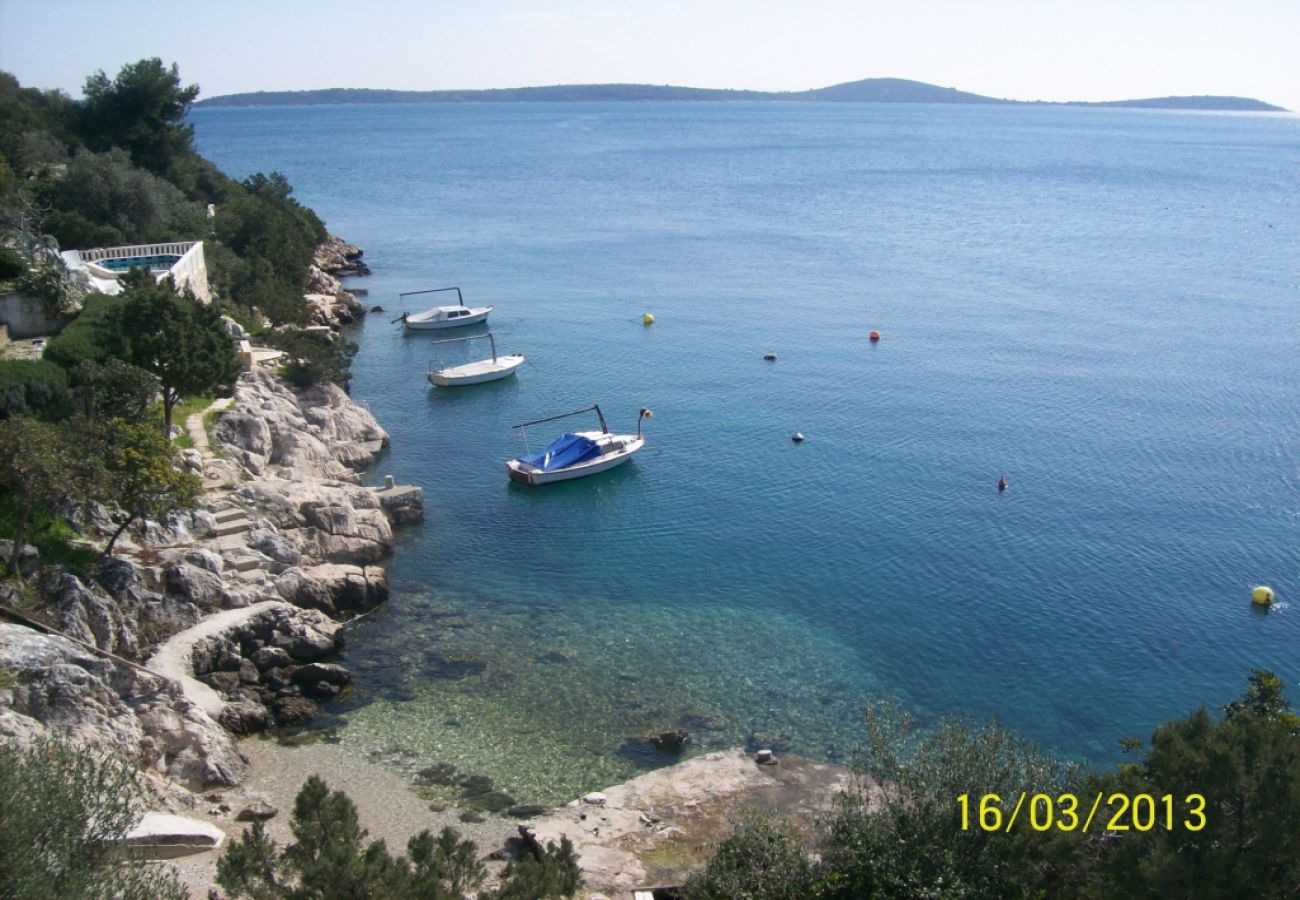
(244, 563)
(232, 526)
(227, 515)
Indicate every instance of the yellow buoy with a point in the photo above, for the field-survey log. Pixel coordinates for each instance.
(647, 319)
(1262, 594)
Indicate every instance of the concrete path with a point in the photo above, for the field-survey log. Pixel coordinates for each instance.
(199, 435)
(174, 658)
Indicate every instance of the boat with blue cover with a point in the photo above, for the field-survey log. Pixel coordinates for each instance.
(575, 454)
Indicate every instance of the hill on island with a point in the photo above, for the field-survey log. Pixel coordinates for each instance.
(869, 90)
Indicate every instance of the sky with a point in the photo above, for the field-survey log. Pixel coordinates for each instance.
(1019, 49)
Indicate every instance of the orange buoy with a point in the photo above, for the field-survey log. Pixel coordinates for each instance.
(1002, 483)
(875, 335)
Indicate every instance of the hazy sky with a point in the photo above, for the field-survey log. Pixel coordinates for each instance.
(1023, 49)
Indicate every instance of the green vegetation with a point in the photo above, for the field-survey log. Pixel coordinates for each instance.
(64, 815)
(34, 388)
(909, 839)
(330, 859)
(182, 343)
(120, 167)
(137, 474)
(315, 358)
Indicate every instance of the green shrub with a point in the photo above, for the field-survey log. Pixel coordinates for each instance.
(758, 861)
(93, 335)
(64, 814)
(12, 264)
(314, 358)
(34, 388)
(331, 859)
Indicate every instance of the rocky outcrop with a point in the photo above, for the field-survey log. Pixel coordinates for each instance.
(316, 434)
(59, 687)
(337, 257)
(328, 303)
(231, 604)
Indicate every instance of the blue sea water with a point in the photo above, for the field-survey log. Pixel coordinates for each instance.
(1103, 305)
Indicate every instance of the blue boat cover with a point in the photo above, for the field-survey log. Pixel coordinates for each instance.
(566, 450)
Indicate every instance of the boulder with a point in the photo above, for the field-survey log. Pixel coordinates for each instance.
(204, 559)
(29, 559)
(331, 673)
(291, 711)
(90, 615)
(670, 741)
(257, 811)
(244, 717)
(201, 587)
(333, 588)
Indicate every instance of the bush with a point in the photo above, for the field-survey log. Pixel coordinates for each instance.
(33, 388)
(64, 814)
(104, 199)
(756, 862)
(93, 335)
(315, 358)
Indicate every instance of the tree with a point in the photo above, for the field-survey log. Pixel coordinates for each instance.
(64, 815)
(139, 474)
(181, 342)
(1246, 767)
(900, 833)
(113, 389)
(330, 859)
(142, 111)
(33, 387)
(38, 469)
(314, 358)
(757, 861)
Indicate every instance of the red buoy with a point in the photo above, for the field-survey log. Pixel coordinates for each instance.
(875, 335)
(1002, 483)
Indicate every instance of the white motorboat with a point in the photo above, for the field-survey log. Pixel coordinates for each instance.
(475, 372)
(436, 317)
(575, 454)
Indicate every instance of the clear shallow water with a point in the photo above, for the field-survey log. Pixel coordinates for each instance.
(1104, 305)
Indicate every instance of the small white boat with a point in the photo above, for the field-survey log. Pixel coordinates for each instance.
(436, 317)
(475, 372)
(575, 454)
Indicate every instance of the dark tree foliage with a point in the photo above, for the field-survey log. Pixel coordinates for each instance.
(104, 200)
(1247, 767)
(331, 859)
(542, 874)
(113, 390)
(313, 358)
(33, 388)
(33, 125)
(181, 342)
(64, 814)
(11, 264)
(758, 861)
(92, 335)
(39, 468)
(142, 111)
(272, 239)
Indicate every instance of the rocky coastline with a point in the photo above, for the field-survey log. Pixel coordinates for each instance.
(220, 621)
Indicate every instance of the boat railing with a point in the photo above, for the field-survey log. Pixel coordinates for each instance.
(472, 337)
(459, 298)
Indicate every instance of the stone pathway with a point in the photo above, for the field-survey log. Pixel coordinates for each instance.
(174, 657)
(199, 435)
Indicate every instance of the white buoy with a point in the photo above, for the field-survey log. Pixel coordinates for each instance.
(797, 437)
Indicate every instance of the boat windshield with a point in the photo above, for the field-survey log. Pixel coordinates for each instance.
(566, 450)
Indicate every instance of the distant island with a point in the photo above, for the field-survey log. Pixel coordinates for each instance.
(869, 90)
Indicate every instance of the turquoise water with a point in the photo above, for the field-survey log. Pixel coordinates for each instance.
(1103, 305)
(152, 263)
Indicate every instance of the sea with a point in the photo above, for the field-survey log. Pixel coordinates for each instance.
(1100, 305)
